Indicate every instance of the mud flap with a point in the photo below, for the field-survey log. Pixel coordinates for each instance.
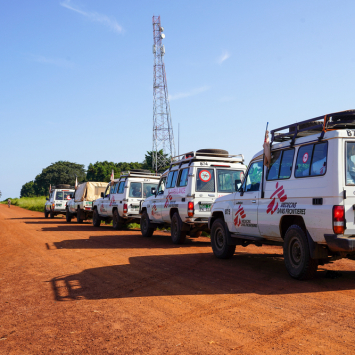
(316, 251)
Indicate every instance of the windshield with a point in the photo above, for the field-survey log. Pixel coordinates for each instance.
(350, 163)
(147, 189)
(63, 195)
(205, 180)
(135, 190)
(226, 180)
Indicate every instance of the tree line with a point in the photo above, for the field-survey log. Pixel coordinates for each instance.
(65, 172)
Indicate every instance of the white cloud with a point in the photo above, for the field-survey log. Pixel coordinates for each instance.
(94, 16)
(193, 92)
(223, 57)
(54, 61)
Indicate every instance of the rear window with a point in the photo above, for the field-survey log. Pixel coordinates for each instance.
(135, 189)
(63, 195)
(226, 180)
(147, 189)
(183, 177)
(311, 160)
(205, 180)
(350, 163)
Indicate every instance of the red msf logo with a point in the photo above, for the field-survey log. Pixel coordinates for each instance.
(168, 199)
(154, 209)
(280, 192)
(238, 216)
(113, 200)
(102, 208)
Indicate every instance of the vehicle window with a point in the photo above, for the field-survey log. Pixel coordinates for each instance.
(115, 188)
(59, 195)
(68, 195)
(273, 173)
(183, 177)
(135, 189)
(350, 163)
(226, 180)
(147, 189)
(303, 162)
(172, 179)
(173, 182)
(112, 189)
(319, 159)
(286, 164)
(205, 180)
(121, 187)
(161, 187)
(107, 191)
(253, 178)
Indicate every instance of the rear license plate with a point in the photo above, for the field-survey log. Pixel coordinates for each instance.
(205, 208)
(134, 207)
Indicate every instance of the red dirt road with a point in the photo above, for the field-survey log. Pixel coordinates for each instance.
(74, 289)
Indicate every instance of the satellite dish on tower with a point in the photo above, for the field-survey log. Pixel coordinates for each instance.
(161, 29)
(162, 35)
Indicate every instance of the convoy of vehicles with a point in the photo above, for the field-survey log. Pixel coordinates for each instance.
(187, 191)
(58, 197)
(121, 200)
(301, 197)
(304, 201)
(81, 203)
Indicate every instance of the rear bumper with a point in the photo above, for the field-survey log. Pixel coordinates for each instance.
(337, 242)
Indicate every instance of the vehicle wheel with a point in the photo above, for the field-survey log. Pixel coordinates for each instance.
(177, 235)
(298, 261)
(196, 234)
(146, 227)
(45, 213)
(117, 222)
(78, 216)
(51, 214)
(96, 220)
(68, 216)
(219, 234)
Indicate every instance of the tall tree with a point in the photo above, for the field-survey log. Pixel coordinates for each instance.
(28, 190)
(149, 160)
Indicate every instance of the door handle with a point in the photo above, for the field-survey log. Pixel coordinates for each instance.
(253, 201)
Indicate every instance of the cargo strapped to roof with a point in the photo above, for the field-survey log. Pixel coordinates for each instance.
(321, 124)
(138, 174)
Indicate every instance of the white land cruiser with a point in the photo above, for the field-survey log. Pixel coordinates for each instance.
(187, 191)
(58, 197)
(305, 200)
(120, 202)
(81, 205)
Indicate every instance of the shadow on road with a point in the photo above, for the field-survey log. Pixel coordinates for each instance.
(132, 241)
(193, 274)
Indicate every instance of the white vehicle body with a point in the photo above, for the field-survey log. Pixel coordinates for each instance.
(304, 201)
(56, 203)
(188, 190)
(81, 205)
(121, 200)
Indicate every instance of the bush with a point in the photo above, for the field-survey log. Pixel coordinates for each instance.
(29, 203)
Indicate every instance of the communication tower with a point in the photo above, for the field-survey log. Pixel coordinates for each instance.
(163, 136)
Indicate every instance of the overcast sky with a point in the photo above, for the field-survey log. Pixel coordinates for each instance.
(76, 76)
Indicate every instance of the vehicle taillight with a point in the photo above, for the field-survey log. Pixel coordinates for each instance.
(338, 219)
(53, 204)
(125, 208)
(190, 209)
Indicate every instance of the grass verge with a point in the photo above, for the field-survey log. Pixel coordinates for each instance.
(29, 203)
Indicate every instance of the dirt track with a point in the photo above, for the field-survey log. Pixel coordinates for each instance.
(74, 289)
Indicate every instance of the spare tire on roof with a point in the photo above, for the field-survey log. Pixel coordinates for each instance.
(140, 171)
(304, 125)
(62, 186)
(213, 152)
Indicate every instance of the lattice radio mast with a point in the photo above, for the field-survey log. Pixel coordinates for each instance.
(163, 135)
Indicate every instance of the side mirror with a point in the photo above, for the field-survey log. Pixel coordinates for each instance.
(153, 190)
(102, 194)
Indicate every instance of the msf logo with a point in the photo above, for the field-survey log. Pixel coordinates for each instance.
(239, 215)
(280, 194)
(112, 201)
(154, 210)
(168, 199)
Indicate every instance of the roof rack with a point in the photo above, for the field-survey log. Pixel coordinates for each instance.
(195, 156)
(138, 174)
(321, 124)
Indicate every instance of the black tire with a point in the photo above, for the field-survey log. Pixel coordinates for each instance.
(219, 235)
(146, 227)
(68, 216)
(212, 152)
(177, 235)
(298, 261)
(78, 216)
(51, 214)
(117, 221)
(61, 186)
(45, 213)
(96, 220)
(196, 234)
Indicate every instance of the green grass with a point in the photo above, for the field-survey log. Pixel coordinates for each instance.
(29, 203)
